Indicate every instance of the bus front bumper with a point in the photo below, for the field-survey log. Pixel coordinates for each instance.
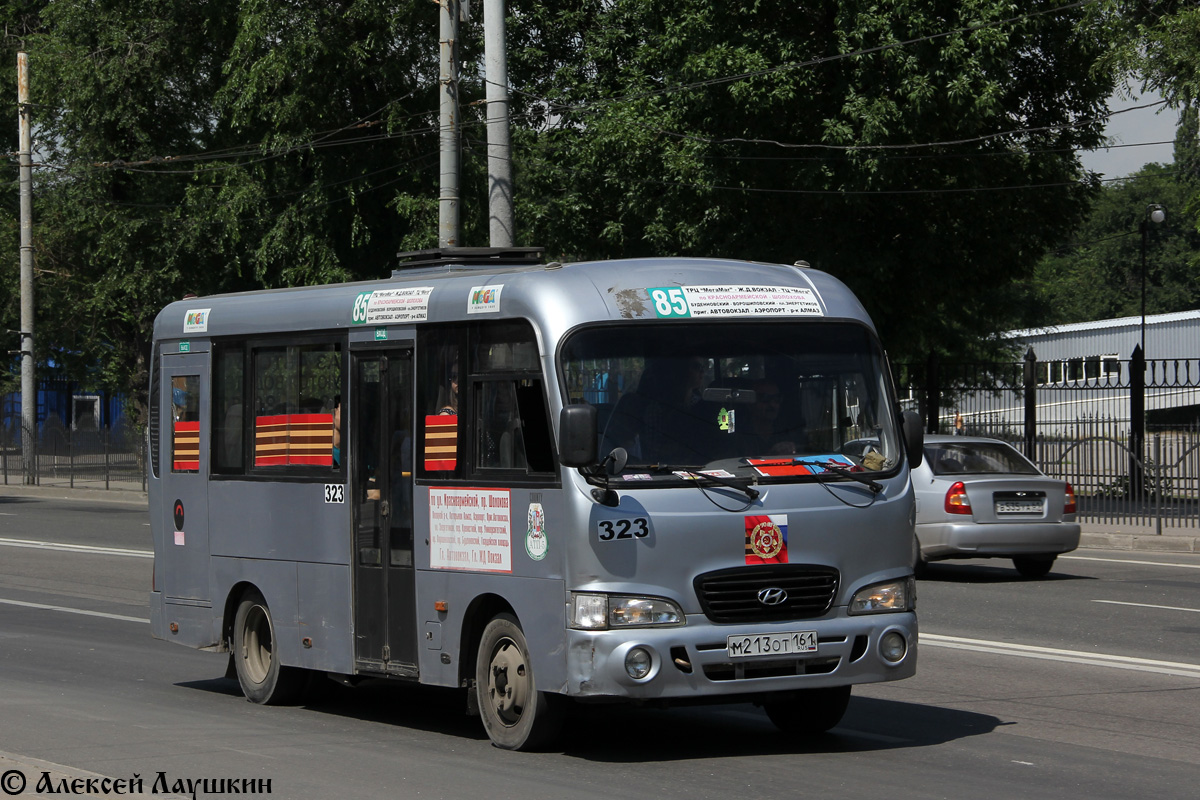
(694, 661)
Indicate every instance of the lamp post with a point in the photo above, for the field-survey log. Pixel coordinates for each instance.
(1156, 214)
(1137, 368)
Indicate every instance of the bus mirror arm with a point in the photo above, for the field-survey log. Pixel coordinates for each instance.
(612, 464)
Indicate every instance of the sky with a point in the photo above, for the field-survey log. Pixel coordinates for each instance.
(1134, 128)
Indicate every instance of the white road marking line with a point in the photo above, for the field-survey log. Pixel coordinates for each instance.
(77, 548)
(1133, 561)
(1146, 605)
(45, 607)
(1066, 656)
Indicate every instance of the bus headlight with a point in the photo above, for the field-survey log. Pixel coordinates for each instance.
(597, 612)
(884, 598)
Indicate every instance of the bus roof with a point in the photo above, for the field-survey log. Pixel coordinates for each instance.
(555, 297)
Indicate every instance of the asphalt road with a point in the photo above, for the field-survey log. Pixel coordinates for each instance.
(1086, 684)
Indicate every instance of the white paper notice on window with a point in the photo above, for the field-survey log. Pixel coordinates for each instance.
(470, 529)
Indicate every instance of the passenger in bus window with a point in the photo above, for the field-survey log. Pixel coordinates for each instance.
(337, 429)
(763, 434)
(661, 421)
(448, 396)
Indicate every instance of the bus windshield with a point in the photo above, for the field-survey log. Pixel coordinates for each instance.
(778, 399)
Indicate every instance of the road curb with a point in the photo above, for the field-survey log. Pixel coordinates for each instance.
(1145, 542)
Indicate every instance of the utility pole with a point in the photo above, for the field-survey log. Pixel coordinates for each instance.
(500, 186)
(28, 385)
(448, 210)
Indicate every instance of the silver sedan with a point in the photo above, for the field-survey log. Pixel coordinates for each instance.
(980, 498)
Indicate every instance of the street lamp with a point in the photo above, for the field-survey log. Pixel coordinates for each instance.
(1137, 373)
(1156, 214)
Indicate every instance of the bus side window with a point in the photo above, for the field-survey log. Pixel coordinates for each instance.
(439, 401)
(292, 410)
(185, 423)
(228, 403)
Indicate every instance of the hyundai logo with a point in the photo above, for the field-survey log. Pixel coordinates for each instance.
(771, 596)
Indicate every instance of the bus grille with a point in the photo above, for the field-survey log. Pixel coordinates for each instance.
(732, 595)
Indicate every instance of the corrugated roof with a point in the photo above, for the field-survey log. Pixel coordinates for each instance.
(1103, 324)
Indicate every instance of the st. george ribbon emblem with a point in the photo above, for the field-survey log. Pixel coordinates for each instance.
(766, 540)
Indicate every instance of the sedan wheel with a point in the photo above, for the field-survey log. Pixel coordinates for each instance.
(1033, 567)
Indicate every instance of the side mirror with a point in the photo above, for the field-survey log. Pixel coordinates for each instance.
(914, 438)
(577, 436)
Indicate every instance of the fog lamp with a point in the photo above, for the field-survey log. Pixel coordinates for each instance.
(638, 663)
(892, 647)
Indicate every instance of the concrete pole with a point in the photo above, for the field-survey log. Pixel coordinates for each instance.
(28, 384)
(448, 209)
(500, 186)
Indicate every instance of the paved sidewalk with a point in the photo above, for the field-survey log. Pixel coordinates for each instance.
(1102, 536)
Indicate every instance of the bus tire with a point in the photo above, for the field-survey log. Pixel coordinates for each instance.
(809, 712)
(262, 678)
(515, 715)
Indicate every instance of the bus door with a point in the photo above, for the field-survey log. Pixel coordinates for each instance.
(184, 412)
(381, 481)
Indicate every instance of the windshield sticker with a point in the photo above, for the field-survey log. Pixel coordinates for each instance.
(766, 539)
(470, 529)
(678, 302)
(726, 420)
(392, 306)
(195, 320)
(536, 543)
(638, 476)
(809, 465)
(712, 473)
(484, 299)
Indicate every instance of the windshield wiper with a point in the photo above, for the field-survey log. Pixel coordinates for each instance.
(742, 484)
(843, 472)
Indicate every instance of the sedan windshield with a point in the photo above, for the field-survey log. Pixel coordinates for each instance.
(781, 399)
(977, 458)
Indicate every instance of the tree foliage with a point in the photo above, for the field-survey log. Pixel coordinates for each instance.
(1098, 274)
(922, 150)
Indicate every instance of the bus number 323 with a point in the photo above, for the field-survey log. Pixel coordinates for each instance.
(609, 530)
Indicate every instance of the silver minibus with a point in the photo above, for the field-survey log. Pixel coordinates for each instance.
(660, 480)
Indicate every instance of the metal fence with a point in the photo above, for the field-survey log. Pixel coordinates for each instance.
(1124, 432)
(103, 458)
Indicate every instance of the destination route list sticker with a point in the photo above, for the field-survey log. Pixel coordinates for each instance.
(470, 529)
(718, 301)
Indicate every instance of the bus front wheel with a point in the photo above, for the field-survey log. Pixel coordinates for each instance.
(810, 711)
(515, 714)
(262, 678)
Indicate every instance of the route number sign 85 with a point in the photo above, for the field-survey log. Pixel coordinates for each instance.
(670, 302)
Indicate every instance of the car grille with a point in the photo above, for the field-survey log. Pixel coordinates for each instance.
(732, 595)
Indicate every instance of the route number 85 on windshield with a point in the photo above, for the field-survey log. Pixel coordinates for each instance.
(612, 530)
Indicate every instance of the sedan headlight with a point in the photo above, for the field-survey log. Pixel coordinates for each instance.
(597, 612)
(885, 598)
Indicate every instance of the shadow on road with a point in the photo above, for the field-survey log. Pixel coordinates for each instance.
(994, 571)
(631, 734)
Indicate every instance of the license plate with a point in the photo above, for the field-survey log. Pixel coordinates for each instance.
(772, 644)
(1018, 506)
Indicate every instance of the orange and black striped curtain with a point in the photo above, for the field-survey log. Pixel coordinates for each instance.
(291, 439)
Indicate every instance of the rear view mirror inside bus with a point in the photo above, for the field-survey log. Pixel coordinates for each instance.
(577, 435)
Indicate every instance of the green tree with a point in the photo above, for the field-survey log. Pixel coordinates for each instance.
(205, 147)
(923, 150)
(1098, 275)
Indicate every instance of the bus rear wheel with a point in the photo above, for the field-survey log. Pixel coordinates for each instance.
(515, 714)
(262, 678)
(810, 711)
